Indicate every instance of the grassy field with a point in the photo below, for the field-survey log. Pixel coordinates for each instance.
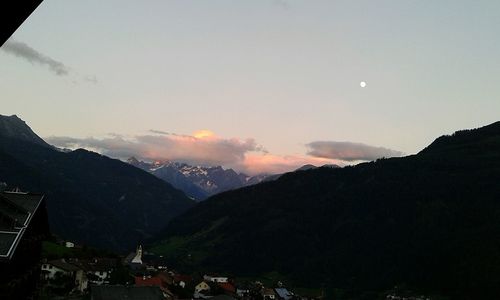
(52, 250)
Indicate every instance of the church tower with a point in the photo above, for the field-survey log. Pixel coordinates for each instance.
(138, 256)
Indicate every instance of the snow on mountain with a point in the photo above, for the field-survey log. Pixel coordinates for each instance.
(198, 182)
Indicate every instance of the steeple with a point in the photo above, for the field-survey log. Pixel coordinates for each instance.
(138, 255)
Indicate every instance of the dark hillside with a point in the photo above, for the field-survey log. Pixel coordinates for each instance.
(91, 198)
(430, 221)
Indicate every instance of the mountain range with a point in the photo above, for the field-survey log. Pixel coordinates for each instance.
(198, 182)
(428, 222)
(91, 199)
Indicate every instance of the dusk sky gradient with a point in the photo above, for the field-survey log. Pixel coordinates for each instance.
(268, 79)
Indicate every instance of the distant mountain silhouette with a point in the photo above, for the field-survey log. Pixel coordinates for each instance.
(429, 222)
(91, 198)
(198, 182)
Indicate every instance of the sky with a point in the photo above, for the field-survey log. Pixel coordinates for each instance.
(259, 86)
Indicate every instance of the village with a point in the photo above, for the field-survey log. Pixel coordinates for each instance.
(142, 275)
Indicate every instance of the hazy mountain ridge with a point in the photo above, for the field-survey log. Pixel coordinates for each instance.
(428, 221)
(90, 198)
(198, 182)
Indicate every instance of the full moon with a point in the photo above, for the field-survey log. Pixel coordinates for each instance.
(362, 84)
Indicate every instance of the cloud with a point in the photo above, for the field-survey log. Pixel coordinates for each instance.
(205, 150)
(243, 155)
(24, 51)
(349, 151)
(159, 132)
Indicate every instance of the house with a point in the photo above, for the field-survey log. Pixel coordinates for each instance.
(120, 292)
(242, 290)
(202, 290)
(283, 293)
(23, 226)
(202, 286)
(54, 269)
(216, 279)
(98, 270)
(268, 293)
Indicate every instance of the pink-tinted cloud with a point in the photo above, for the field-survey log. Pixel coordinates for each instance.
(202, 148)
(205, 148)
(349, 151)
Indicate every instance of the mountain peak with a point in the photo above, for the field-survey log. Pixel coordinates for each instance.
(132, 160)
(15, 128)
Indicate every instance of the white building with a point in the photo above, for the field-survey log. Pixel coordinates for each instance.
(216, 279)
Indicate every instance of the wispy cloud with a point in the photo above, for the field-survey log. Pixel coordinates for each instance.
(159, 132)
(349, 151)
(24, 51)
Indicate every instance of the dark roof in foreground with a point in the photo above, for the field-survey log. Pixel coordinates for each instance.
(16, 211)
(119, 292)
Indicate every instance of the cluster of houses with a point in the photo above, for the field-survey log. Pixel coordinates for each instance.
(149, 279)
(211, 287)
(79, 274)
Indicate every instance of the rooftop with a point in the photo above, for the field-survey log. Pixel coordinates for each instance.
(63, 265)
(16, 212)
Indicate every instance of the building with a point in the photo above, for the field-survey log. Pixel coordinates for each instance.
(216, 279)
(138, 256)
(201, 287)
(98, 270)
(23, 226)
(242, 290)
(54, 269)
(268, 294)
(283, 293)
